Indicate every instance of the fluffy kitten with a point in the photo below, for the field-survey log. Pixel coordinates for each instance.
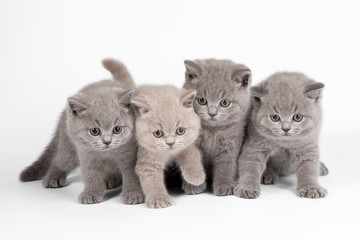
(166, 130)
(96, 131)
(222, 102)
(283, 135)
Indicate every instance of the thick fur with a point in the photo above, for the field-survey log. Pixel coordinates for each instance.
(284, 146)
(101, 105)
(222, 132)
(166, 109)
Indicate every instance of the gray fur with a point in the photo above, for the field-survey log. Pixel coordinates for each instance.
(102, 105)
(284, 146)
(220, 138)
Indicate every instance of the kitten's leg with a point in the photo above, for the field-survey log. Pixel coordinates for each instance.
(93, 175)
(64, 162)
(151, 177)
(112, 175)
(270, 175)
(307, 172)
(252, 163)
(323, 169)
(192, 170)
(131, 188)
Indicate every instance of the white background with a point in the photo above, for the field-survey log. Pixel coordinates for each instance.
(49, 49)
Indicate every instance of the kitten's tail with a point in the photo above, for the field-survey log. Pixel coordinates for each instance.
(119, 72)
(38, 169)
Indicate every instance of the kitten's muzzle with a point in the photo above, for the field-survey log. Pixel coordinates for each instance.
(106, 140)
(286, 126)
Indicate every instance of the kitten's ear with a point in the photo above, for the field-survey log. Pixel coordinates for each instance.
(242, 76)
(192, 70)
(124, 97)
(314, 90)
(140, 105)
(77, 104)
(187, 98)
(257, 92)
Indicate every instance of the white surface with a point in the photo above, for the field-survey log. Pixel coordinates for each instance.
(49, 49)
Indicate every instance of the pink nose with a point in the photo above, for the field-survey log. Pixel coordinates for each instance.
(170, 144)
(212, 115)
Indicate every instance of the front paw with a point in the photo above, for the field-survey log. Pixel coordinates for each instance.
(90, 198)
(247, 192)
(191, 189)
(268, 178)
(158, 202)
(312, 192)
(194, 178)
(224, 190)
(132, 198)
(54, 181)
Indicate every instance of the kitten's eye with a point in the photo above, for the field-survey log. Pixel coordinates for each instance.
(225, 103)
(275, 117)
(298, 118)
(94, 131)
(202, 101)
(158, 133)
(180, 131)
(117, 129)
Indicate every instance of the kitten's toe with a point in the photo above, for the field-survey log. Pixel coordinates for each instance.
(109, 183)
(312, 192)
(323, 169)
(224, 190)
(54, 182)
(246, 192)
(191, 189)
(268, 178)
(158, 202)
(195, 179)
(132, 198)
(90, 198)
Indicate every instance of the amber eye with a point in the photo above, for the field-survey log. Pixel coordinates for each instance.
(202, 101)
(158, 133)
(117, 130)
(225, 103)
(180, 131)
(94, 131)
(275, 117)
(298, 118)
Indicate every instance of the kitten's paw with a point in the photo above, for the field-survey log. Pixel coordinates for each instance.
(89, 198)
(224, 190)
(269, 178)
(191, 189)
(109, 183)
(132, 198)
(54, 182)
(246, 192)
(158, 202)
(195, 178)
(323, 170)
(312, 192)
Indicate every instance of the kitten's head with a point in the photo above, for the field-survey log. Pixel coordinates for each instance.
(99, 117)
(165, 118)
(222, 90)
(287, 106)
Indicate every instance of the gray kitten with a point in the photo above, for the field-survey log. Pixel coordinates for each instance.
(95, 131)
(283, 136)
(222, 102)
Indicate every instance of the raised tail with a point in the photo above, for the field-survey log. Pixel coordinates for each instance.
(119, 72)
(38, 169)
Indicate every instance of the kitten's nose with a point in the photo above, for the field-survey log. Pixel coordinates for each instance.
(107, 143)
(106, 140)
(212, 115)
(170, 144)
(285, 127)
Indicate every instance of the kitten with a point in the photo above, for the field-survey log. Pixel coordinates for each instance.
(95, 131)
(222, 102)
(166, 129)
(283, 135)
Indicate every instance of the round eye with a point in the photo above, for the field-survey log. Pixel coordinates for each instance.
(298, 117)
(202, 101)
(275, 117)
(225, 103)
(117, 130)
(158, 133)
(94, 131)
(180, 131)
